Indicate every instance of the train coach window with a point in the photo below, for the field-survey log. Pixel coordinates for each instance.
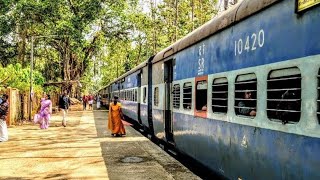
(284, 95)
(135, 95)
(220, 95)
(245, 95)
(156, 96)
(201, 95)
(187, 95)
(176, 96)
(144, 95)
(128, 95)
(318, 101)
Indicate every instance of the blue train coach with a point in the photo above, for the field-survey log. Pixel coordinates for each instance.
(241, 93)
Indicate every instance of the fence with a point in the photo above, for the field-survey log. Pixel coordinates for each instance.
(19, 106)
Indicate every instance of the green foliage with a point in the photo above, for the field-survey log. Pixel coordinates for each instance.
(118, 34)
(17, 77)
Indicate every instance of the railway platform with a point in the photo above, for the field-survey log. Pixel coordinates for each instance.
(84, 150)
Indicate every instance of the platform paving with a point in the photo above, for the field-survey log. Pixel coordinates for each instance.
(84, 150)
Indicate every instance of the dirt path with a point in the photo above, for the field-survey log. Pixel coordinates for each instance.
(73, 152)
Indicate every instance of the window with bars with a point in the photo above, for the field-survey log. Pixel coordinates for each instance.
(187, 95)
(220, 95)
(116, 94)
(201, 95)
(156, 96)
(129, 95)
(318, 100)
(246, 95)
(176, 96)
(136, 95)
(144, 95)
(122, 95)
(133, 95)
(284, 95)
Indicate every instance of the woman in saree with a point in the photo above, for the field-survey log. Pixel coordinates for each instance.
(43, 117)
(114, 118)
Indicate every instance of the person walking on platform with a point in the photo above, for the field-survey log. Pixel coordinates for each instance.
(43, 117)
(64, 104)
(114, 118)
(4, 109)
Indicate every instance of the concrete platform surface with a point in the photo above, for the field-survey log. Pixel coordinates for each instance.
(84, 150)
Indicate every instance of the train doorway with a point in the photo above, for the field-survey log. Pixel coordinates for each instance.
(168, 78)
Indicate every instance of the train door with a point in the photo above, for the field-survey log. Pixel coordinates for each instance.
(137, 91)
(168, 78)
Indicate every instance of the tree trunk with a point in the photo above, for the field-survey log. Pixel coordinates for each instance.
(192, 14)
(176, 21)
(22, 45)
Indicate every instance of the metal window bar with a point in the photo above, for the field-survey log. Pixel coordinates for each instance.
(287, 100)
(220, 99)
(282, 79)
(214, 105)
(284, 89)
(247, 90)
(283, 110)
(219, 92)
(245, 107)
(222, 84)
(241, 99)
(246, 82)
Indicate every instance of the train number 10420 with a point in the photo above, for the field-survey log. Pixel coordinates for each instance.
(250, 43)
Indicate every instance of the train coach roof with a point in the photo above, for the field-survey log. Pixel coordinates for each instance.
(237, 13)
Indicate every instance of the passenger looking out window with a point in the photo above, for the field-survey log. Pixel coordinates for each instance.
(244, 109)
(245, 95)
(201, 95)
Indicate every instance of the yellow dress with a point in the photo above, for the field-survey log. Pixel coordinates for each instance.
(114, 119)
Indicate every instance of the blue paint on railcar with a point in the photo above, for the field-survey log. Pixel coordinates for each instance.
(247, 152)
(131, 81)
(130, 109)
(144, 115)
(273, 35)
(158, 123)
(114, 87)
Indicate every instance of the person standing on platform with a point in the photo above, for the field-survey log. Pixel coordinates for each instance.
(98, 101)
(114, 118)
(43, 117)
(64, 104)
(90, 100)
(4, 109)
(84, 101)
